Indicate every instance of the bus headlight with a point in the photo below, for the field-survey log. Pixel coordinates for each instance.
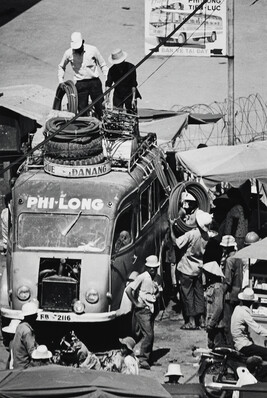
(92, 296)
(78, 307)
(23, 293)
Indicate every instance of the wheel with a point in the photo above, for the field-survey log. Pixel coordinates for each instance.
(216, 372)
(213, 37)
(181, 38)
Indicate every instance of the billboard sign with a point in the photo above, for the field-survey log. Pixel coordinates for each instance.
(203, 34)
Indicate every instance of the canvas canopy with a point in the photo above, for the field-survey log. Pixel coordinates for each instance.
(55, 381)
(255, 250)
(232, 164)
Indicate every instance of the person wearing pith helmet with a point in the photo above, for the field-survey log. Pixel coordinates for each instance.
(242, 320)
(143, 293)
(192, 245)
(126, 92)
(24, 341)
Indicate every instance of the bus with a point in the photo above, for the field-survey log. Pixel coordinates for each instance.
(79, 230)
(200, 26)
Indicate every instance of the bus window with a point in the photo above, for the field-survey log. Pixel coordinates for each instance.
(123, 235)
(144, 207)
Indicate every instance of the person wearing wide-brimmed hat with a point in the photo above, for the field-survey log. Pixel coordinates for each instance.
(86, 61)
(214, 304)
(130, 363)
(143, 293)
(233, 269)
(192, 245)
(24, 342)
(126, 92)
(241, 321)
(173, 373)
(41, 356)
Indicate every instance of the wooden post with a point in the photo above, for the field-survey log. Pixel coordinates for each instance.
(231, 96)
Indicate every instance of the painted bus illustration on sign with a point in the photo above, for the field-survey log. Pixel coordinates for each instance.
(163, 21)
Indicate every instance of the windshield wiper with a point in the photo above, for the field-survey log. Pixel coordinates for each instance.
(67, 230)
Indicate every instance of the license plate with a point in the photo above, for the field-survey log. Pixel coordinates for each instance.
(54, 317)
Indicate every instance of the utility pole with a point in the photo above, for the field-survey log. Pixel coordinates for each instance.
(231, 89)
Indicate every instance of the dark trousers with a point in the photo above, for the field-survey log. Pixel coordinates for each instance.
(118, 102)
(192, 295)
(216, 338)
(92, 88)
(254, 349)
(145, 320)
(228, 310)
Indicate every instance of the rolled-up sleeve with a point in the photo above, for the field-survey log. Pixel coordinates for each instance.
(62, 67)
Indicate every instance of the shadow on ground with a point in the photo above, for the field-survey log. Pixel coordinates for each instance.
(10, 9)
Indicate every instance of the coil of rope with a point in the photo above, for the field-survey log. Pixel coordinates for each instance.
(67, 88)
(199, 193)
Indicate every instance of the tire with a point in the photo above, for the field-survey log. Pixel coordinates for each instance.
(212, 38)
(83, 127)
(72, 149)
(68, 89)
(181, 38)
(211, 373)
(78, 162)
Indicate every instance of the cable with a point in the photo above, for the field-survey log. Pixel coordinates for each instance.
(70, 90)
(199, 193)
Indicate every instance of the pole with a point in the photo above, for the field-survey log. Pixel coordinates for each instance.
(231, 96)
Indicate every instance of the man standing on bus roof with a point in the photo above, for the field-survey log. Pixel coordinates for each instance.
(85, 60)
(126, 92)
(143, 293)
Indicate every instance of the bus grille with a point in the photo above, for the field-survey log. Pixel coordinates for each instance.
(58, 293)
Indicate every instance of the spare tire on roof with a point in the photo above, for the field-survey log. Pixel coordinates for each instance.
(77, 129)
(67, 88)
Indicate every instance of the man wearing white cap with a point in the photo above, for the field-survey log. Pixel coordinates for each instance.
(241, 321)
(85, 60)
(192, 246)
(126, 92)
(143, 293)
(24, 341)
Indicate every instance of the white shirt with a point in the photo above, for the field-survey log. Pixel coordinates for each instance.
(240, 322)
(84, 65)
(147, 289)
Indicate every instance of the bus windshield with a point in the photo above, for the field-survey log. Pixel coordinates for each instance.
(83, 232)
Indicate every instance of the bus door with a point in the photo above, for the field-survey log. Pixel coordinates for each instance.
(123, 256)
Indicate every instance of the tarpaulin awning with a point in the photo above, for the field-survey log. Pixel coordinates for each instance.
(30, 100)
(166, 129)
(232, 164)
(148, 114)
(255, 250)
(55, 380)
